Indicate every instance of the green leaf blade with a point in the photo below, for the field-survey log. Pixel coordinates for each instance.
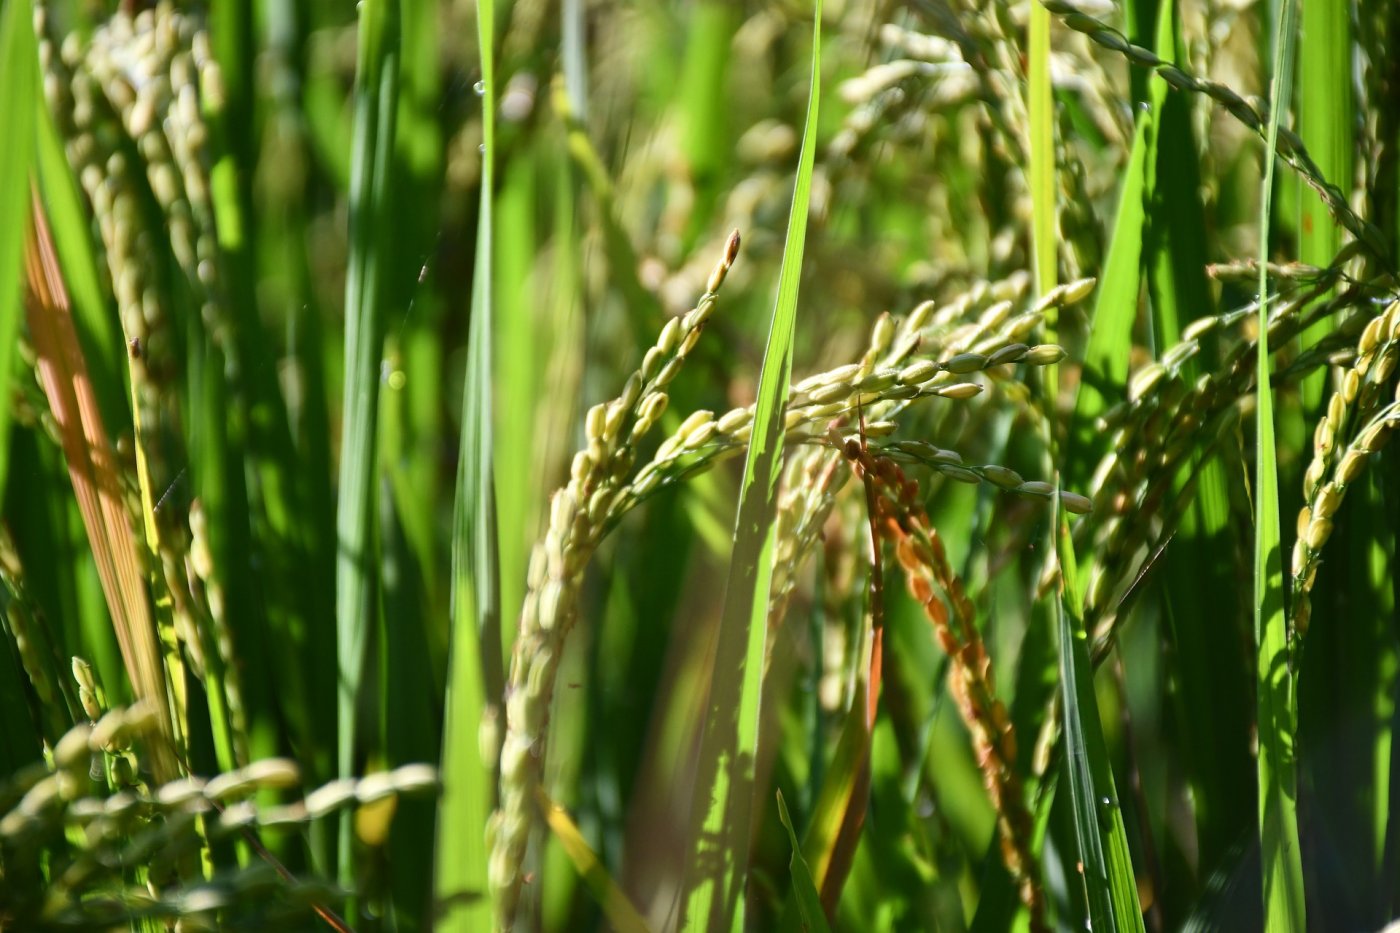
(723, 800)
(19, 88)
(1109, 884)
(809, 905)
(1277, 701)
(474, 667)
(375, 97)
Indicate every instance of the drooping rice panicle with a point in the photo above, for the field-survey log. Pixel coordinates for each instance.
(1354, 425)
(937, 589)
(907, 369)
(1160, 425)
(599, 492)
(154, 826)
(578, 513)
(1290, 146)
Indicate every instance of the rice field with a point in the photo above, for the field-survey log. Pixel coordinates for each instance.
(699, 466)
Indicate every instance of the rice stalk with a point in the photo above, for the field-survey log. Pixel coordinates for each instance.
(158, 72)
(1276, 699)
(93, 133)
(578, 514)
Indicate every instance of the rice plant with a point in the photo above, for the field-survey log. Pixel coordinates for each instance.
(517, 466)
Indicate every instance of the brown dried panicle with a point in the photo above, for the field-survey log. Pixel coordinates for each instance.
(931, 580)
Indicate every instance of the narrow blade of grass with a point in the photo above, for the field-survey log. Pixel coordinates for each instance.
(1041, 107)
(622, 916)
(95, 322)
(76, 605)
(474, 666)
(19, 88)
(375, 95)
(724, 786)
(1120, 284)
(1278, 792)
(1201, 563)
(520, 361)
(1107, 871)
(1325, 123)
(847, 776)
(407, 715)
(809, 905)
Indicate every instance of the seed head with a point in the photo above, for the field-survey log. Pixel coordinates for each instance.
(877, 382)
(1300, 558)
(830, 393)
(958, 390)
(732, 419)
(882, 335)
(1074, 502)
(1078, 290)
(1371, 336)
(1351, 466)
(1044, 354)
(1023, 324)
(1318, 532)
(965, 363)
(699, 435)
(1011, 353)
(731, 252)
(1002, 476)
(918, 372)
(961, 474)
(919, 316)
(1329, 499)
(1199, 328)
(594, 423)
